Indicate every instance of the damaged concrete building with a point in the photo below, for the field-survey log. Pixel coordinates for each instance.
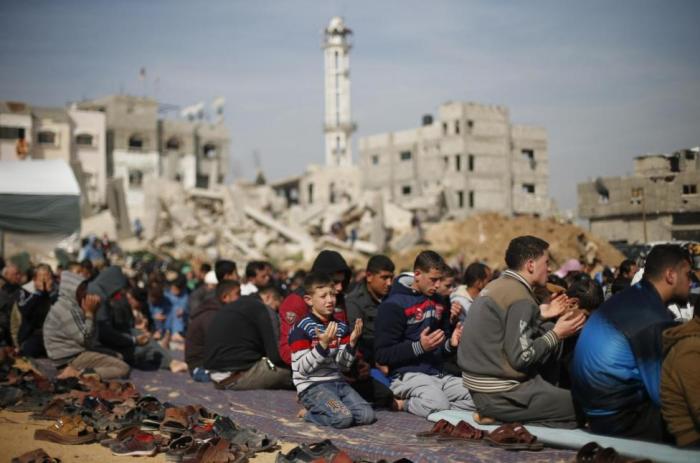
(469, 159)
(658, 202)
(75, 136)
(142, 144)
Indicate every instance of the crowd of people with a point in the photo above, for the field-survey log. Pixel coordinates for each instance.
(519, 344)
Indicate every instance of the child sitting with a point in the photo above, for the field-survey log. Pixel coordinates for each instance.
(321, 347)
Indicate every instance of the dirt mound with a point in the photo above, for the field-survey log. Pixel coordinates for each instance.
(486, 236)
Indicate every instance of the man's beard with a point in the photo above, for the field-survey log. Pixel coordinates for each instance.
(679, 300)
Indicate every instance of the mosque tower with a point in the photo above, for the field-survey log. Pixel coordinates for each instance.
(338, 126)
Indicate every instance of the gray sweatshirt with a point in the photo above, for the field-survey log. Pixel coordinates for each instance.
(67, 332)
(504, 340)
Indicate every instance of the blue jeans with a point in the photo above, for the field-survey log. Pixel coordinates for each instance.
(176, 324)
(159, 309)
(336, 404)
(200, 375)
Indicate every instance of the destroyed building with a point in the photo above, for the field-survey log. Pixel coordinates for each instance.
(141, 143)
(469, 159)
(658, 202)
(75, 136)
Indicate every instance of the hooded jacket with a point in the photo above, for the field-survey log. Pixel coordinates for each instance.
(195, 345)
(33, 305)
(293, 309)
(8, 297)
(114, 318)
(67, 332)
(401, 318)
(680, 382)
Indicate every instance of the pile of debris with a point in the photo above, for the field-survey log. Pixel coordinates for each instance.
(485, 237)
(248, 221)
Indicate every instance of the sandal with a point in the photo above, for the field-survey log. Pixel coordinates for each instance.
(69, 430)
(223, 452)
(179, 447)
(54, 410)
(594, 453)
(441, 428)
(245, 437)
(513, 436)
(326, 451)
(34, 402)
(10, 395)
(463, 432)
(177, 420)
(35, 456)
(121, 435)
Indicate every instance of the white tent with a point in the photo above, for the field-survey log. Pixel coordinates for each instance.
(39, 197)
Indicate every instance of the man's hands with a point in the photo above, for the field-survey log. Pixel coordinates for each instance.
(90, 304)
(142, 339)
(328, 336)
(46, 283)
(456, 335)
(432, 341)
(363, 369)
(356, 332)
(455, 311)
(569, 324)
(557, 306)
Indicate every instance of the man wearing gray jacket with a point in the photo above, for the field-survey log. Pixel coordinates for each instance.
(69, 330)
(505, 342)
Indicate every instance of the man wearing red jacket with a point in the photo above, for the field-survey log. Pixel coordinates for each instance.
(294, 309)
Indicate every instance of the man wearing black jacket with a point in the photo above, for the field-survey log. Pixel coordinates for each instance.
(241, 348)
(34, 301)
(114, 318)
(227, 291)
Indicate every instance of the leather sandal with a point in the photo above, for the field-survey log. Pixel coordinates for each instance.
(463, 432)
(54, 410)
(223, 452)
(249, 438)
(441, 428)
(513, 436)
(35, 456)
(177, 420)
(69, 430)
(594, 453)
(326, 451)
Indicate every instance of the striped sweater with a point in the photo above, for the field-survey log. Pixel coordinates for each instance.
(311, 363)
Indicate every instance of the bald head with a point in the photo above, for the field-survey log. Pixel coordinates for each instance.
(12, 274)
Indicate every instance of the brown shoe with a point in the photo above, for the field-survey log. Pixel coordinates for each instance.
(69, 430)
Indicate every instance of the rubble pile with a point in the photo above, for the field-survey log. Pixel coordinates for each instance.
(485, 237)
(247, 221)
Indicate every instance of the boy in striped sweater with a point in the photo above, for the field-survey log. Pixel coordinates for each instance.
(321, 348)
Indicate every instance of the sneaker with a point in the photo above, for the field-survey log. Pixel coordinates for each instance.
(141, 444)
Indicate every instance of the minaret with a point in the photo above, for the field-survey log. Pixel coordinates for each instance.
(338, 126)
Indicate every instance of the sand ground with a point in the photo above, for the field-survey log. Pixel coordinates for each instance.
(17, 437)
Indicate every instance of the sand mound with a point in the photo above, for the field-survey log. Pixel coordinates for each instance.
(486, 236)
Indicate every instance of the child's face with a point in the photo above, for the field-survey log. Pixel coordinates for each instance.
(322, 301)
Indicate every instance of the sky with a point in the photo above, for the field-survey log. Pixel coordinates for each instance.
(608, 80)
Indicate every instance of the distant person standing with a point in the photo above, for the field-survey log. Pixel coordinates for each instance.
(22, 148)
